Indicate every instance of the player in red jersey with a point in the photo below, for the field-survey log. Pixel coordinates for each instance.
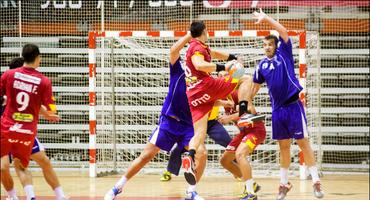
(26, 90)
(203, 90)
(240, 147)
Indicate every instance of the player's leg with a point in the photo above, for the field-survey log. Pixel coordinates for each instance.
(217, 132)
(200, 164)
(174, 163)
(280, 133)
(299, 128)
(200, 129)
(49, 174)
(228, 157)
(228, 162)
(148, 154)
(246, 147)
(247, 112)
(6, 178)
(25, 177)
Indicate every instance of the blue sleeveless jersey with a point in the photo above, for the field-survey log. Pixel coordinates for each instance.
(176, 103)
(278, 72)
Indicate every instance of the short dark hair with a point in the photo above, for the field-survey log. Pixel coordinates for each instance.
(30, 52)
(272, 37)
(197, 28)
(16, 62)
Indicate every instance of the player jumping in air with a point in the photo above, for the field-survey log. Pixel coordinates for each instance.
(203, 91)
(288, 116)
(175, 124)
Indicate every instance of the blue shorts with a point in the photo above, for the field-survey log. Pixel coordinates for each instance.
(37, 146)
(169, 132)
(289, 121)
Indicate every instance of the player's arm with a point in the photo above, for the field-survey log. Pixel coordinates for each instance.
(262, 17)
(224, 103)
(226, 119)
(255, 88)
(176, 48)
(222, 55)
(49, 115)
(48, 101)
(201, 65)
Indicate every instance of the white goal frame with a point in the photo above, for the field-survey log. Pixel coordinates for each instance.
(93, 35)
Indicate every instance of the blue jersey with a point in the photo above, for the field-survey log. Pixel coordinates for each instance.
(176, 103)
(278, 72)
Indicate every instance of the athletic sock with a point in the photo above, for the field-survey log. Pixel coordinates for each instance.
(121, 182)
(314, 174)
(191, 188)
(249, 185)
(58, 191)
(11, 193)
(283, 176)
(192, 153)
(29, 192)
(243, 107)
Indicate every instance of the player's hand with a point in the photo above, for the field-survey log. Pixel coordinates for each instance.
(259, 16)
(229, 104)
(224, 119)
(235, 69)
(52, 117)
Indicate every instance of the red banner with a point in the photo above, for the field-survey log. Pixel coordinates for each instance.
(263, 4)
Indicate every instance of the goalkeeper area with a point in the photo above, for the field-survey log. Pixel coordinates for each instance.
(131, 81)
(109, 66)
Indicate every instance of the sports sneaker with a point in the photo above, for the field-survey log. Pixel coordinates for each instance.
(317, 192)
(12, 198)
(166, 176)
(111, 194)
(189, 173)
(256, 187)
(248, 119)
(248, 196)
(283, 190)
(192, 196)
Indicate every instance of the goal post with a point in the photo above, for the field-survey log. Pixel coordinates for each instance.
(128, 79)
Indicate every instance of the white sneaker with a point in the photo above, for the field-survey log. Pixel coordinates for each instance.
(317, 192)
(112, 193)
(192, 196)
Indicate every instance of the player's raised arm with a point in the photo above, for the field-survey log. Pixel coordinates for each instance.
(262, 17)
(176, 48)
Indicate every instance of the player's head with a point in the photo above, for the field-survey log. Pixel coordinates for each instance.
(270, 44)
(198, 30)
(16, 62)
(31, 55)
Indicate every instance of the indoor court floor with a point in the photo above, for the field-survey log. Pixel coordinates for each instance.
(148, 187)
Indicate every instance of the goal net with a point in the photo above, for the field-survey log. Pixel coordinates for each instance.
(130, 82)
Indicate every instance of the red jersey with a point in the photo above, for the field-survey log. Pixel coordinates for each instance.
(26, 90)
(196, 48)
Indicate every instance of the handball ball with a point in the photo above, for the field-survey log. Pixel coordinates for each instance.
(239, 72)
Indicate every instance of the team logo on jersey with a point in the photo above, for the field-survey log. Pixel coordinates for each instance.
(201, 100)
(22, 117)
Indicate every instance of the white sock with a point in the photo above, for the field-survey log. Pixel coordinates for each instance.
(249, 185)
(12, 193)
(191, 188)
(58, 191)
(121, 182)
(29, 192)
(314, 174)
(283, 176)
